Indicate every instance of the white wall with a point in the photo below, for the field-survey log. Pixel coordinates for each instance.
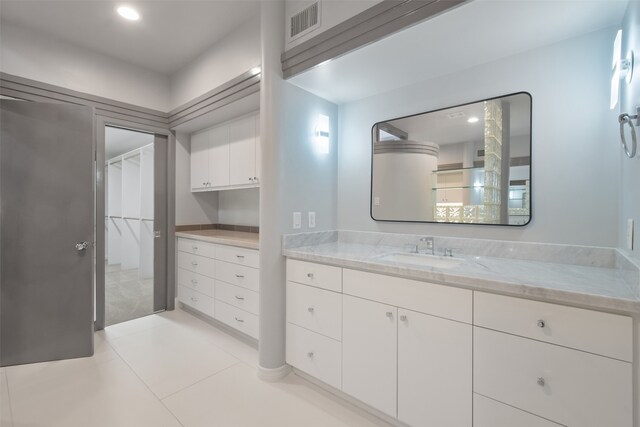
(575, 154)
(630, 98)
(309, 180)
(332, 12)
(233, 55)
(239, 207)
(191, 208)
(32, 55)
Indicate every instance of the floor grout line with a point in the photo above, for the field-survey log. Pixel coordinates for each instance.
(147, 386)
(201, 380)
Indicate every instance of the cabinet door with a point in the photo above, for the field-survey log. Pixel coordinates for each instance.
(242, 146)
(199, 161)
(369, 352)
(434, 371)
(219, 156)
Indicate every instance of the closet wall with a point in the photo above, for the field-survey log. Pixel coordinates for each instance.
(129, 222)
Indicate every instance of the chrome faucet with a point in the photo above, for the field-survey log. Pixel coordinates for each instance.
(429, 244)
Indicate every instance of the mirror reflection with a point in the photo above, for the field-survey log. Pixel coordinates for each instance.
(464, 164)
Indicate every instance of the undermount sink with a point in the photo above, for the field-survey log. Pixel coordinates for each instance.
(422, 260)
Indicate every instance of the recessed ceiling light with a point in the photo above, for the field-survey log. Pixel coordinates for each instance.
(473, 120)
(127, 12)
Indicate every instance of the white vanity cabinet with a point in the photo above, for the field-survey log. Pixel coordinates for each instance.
(221, 281)
(401, 346)
(226, 156)
(436, 355)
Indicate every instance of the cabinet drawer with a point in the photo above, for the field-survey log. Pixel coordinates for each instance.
(601, 333)
(319, 275)
(241, 256)
(566, 386)
(315, 354)
(195, 281)
(196, 300)
(197, 247)
(238, 319)
(238, 275)
(238, 297)
(197, 264)
(490, 413)
(437, 300)
(316, 309)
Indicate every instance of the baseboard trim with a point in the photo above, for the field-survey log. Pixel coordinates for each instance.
(273, 375)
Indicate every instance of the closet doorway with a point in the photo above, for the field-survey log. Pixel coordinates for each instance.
(134, 197)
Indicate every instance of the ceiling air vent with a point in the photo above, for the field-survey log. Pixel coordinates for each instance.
(305, 21)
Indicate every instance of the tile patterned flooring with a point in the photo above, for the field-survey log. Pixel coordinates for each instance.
(126, 296)
(168, 369)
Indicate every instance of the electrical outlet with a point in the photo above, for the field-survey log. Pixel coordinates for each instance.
(630, 234)
(297, 220)
(312, 219)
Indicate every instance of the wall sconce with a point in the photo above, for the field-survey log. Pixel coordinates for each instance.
(322, 134)
(621, 68)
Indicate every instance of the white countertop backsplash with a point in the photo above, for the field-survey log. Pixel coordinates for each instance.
(602, 278)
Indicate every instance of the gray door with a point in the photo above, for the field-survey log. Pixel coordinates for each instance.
(47, 228)
(160, 150)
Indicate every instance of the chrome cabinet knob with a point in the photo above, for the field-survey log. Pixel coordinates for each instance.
(310, 310)
(310, 355)
(82, 246)
(204, 184)
(403, 317)
(541, 381)
(389, 314)
(541, 324)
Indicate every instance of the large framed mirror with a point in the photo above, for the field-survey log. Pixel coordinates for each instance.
(466, 164)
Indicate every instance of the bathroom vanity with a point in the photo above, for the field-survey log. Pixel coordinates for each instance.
(500, 334)
(218, 275)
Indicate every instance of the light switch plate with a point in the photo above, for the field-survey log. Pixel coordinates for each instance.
(312, 219)
(630, 234)
(297, 220)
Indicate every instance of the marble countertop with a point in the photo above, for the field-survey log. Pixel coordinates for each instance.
(224, 237)
(598, 287)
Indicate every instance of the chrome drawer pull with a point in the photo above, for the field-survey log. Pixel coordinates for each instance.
(194, 263)
(239, 320)
(310, 355)
(240, 256)
(310, 310)
(541, 324)
(310, 275)
(194, 299)
(541, 382)
(403, 317)
(389, 314)
(195, 248)
(194, 281)
(239, 276)
(239, 298)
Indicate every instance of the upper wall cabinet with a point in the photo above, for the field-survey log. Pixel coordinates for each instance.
(226, 156)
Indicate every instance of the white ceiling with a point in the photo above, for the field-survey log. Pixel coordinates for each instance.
(475, 33)
(170, 33)
(119, 141)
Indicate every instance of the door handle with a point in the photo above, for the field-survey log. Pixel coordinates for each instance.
(82, 246)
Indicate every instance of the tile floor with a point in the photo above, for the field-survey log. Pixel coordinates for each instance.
(126, 296)
(168, 369)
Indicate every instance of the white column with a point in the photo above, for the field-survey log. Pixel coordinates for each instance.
(272, 264)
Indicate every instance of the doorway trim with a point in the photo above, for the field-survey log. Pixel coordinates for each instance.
(101, 123)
